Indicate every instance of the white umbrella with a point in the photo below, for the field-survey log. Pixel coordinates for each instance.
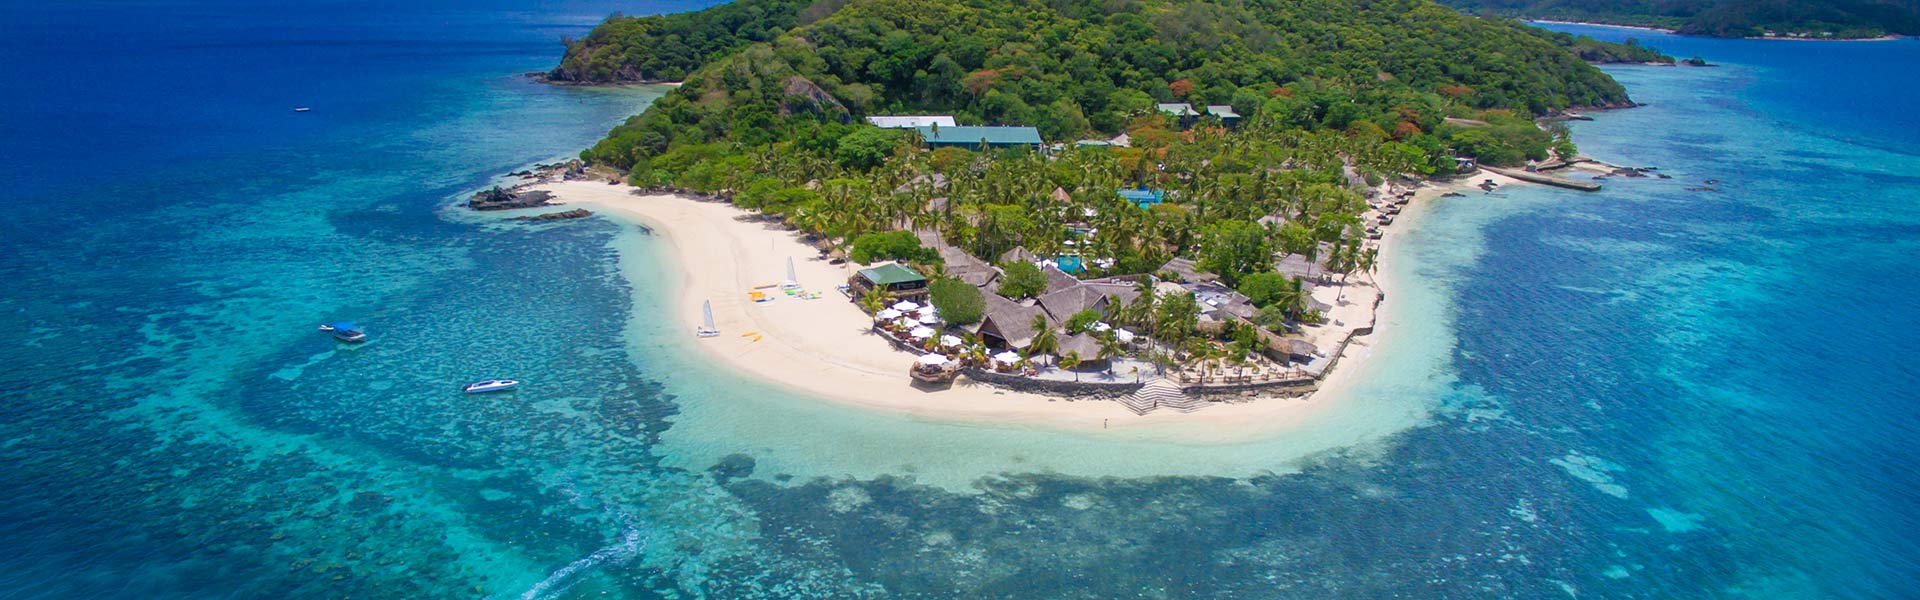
(1008, 357)
(903, 322)
(932, 360)
(949, 341)
(927, 311)
(886, 315)
(921, 333)
(930, 320)
(905, 306)
(1101, 326)
(1125, 337)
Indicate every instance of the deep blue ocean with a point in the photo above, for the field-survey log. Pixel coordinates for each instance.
(1694, 387)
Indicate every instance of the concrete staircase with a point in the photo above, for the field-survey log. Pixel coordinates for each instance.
(1160, 392)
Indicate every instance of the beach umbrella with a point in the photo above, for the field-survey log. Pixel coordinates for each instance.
(930, 320)
(949, 341)
(1101, 326)
(1008, 357)
(932, 360)
(1125, 337)
(886, 315)
(903, 322)
(905, 306)
(927, 311)
(921, 333)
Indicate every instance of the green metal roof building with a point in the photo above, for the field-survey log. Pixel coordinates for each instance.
(973, 136)
(891, 277)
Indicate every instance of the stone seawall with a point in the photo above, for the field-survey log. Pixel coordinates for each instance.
(1090, 390)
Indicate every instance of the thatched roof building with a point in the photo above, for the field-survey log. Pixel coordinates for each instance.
(1010, 322)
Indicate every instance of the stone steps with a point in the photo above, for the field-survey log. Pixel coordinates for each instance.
(1160, 392)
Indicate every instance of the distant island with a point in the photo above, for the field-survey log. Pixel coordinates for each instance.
(1790, 19)
(1170, 203)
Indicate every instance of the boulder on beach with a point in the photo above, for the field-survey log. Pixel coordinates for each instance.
(503, 199)
(578, 213)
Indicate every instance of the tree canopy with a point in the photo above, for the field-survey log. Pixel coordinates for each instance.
(957, 302)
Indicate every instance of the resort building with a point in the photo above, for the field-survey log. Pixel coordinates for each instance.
(1225, 113)
(904, 283)
(1181, 112)
(976, 136)
(1098, 296)
(911, 121)
(1009, 324)
(1184, 270)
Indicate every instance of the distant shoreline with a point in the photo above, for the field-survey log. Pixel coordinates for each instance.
(1777, 38)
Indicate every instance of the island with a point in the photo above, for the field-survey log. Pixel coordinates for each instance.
(1765, 19)
(987, 210)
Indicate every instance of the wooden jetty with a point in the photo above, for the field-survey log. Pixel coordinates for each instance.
(1542, 178)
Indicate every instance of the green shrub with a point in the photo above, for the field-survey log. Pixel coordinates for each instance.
(891, 245)
(957, 302)
(1022, 279)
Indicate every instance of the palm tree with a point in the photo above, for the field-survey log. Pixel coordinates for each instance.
(1293, 300)
(1045, 341)
(875, 300)
(1110, 348)
(1068, 362)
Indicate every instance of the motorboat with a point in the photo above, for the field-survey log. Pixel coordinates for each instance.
(346, 331)
(301, 109)
(490, 385)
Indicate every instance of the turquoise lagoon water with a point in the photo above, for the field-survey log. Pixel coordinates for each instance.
(1646, 392)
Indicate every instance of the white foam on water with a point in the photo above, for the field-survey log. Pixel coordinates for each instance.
(629, 547)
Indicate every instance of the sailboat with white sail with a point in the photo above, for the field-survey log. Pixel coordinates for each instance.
(792, 282)
(706, 329)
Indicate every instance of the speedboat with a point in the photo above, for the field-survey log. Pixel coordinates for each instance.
(301, 109)
(490, 385)
(346, 331)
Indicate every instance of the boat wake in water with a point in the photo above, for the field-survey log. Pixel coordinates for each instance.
(629, 547)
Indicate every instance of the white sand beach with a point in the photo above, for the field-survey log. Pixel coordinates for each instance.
(824, 347)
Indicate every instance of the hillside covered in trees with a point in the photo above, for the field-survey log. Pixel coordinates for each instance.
(1334, 93)
(1077, 68)
(1723, 18)
(667, 47)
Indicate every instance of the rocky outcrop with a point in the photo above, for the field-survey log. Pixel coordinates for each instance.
(803, 95)
(578, 213)
(505, 199)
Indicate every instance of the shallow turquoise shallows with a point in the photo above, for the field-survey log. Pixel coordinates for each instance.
(1693, 387)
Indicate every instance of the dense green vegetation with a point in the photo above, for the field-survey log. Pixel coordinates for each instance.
(890, 245)
(1020, 279)
(957, 302)
(668, 47)
(1074, 70)
(1596, 51)
(1723, 18)
(1333, 91)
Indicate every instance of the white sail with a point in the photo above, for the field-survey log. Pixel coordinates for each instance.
(792, 282)
(706, 329)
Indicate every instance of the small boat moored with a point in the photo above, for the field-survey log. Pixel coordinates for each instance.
(346, 331)
(490, 385)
